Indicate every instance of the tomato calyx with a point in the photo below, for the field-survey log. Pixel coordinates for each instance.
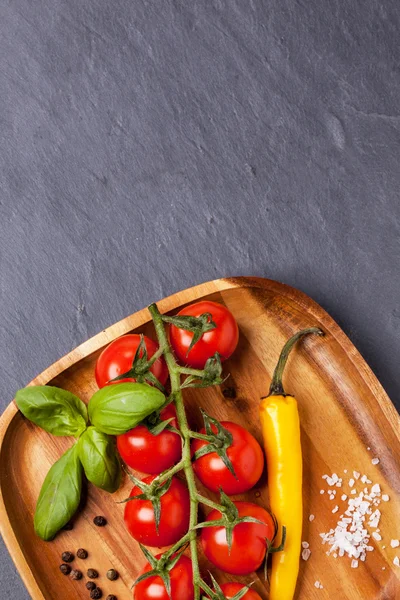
(229, 518)
(197, 325)
(150, 491)
(141, 365)
(218, 594)
(273, 549)
(210, 375)
(218, 441)
(161, 567)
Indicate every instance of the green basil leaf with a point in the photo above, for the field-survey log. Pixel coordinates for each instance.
(60, 495)
(57, 411)
(115, 409)
(99, 458)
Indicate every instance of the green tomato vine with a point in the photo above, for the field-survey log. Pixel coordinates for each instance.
(211, 375)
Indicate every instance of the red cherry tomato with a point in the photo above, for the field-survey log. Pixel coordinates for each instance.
(222, 339)
(248, 540)
(174, 522)
(117, 359)
(148, 453)
(246, 457)
(181, 576)
(231, 589)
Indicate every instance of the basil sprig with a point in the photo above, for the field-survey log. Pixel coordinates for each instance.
(117, 408)
(113, 410)
(60, 495)
(99, 458)
(55, 410)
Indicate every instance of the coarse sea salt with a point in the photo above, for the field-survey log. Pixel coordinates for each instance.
(306, 553)
(394, 543)
(375, 461)
(396, 561)
(311, 518)
(351, 535)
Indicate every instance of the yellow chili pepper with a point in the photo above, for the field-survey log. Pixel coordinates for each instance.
(281, 431)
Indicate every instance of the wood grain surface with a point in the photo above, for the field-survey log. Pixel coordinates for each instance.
(344, 411)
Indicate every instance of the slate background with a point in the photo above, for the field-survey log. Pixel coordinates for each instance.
(149, 146)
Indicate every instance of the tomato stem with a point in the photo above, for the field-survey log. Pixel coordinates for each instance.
(175, 373)
(210, 503)
(170, 472)
(187, 371)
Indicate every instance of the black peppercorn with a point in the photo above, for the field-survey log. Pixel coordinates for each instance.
(112, 574)
(96, 593)
(111, 597)
(92, 573)
(100, 521)
(82, 553)
(90, 585)
(68, 527)
(76, 574)
(67, 557)
(65, 569)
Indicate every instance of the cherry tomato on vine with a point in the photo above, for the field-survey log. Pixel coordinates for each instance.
(117, 359)
(174, 520)
(223, 339)
(181, 576)
(232, 588)
(248, 540)
(245, 455)
(148, 453)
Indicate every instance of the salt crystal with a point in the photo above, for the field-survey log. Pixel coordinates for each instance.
(364, 479)
(354, 564)
(344, 497)
(396, 561)
(376, 489)
(368, 448)
(383, 568)
(375, 461)
(317, 584)
(334, 510)
(356, 475)
(351, 482)
(376, 536)
(311, 518)
(385, 498)
(322, 491)
(353, 492)
(305, 544)
(345, 471)
(306, 553)
(394, 543)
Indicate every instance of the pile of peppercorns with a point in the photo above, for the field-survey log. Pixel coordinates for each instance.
(76, 574)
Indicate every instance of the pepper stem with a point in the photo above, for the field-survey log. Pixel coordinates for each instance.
(276, 388)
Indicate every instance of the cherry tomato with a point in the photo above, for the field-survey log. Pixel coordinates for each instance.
(248, 540)
(117, 359)
(231, 589)
(246, 457)
(181, 576)
(174, 522)
(148, 453)
(223, 339)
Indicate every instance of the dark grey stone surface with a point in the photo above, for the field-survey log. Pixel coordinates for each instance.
(148, 146)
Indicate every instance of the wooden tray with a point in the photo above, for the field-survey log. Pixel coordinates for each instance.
(346, 418)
